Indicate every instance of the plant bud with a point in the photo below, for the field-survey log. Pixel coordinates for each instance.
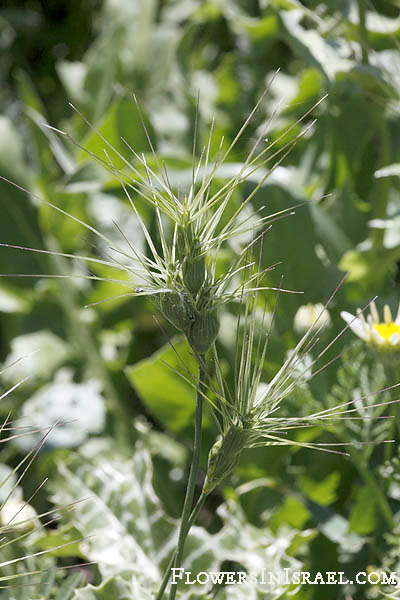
(203, 332)
(224, 456)
(177, 308)
(194, 273)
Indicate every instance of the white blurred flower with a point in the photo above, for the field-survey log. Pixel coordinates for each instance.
(384, 335)
(17, 514)
(308, 314)
(77, 410)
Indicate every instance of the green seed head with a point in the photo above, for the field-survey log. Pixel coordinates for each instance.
(224, 456)
(177, 308)
(194, 273)
(203, 331)
(185, 242)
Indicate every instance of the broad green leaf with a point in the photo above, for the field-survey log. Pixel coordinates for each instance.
(324, 492)
(62, 542)
(172, 400)
(12, 160)
(68, 232)
(292, 512)
(363, 514)
(371, 268)
(122, 121)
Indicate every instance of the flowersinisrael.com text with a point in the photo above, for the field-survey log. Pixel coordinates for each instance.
(285, 577)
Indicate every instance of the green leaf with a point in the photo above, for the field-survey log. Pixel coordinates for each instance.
(370, 267)
(292, 512)
(324, 492)
(121, 121)
(64, 538)
(114, 588)
(12, 161)
(172, 400)
(363, 514)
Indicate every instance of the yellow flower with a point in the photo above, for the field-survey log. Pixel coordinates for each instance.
(382, 335)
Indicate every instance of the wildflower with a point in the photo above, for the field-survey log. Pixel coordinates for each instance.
(381, 336)
(307, 315)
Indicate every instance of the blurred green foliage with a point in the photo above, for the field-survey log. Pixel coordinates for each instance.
(333, 512)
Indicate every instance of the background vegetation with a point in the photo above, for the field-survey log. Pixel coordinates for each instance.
(102, 369)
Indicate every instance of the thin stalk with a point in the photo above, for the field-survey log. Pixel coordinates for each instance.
(184, 528)
(392, 377)
(192, 519)
(381, 192)
(381, 196)
(363, 31)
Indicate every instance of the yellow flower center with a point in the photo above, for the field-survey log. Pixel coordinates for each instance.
(386, 330)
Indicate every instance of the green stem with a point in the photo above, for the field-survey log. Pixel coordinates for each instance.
(192, 519)
(363, 31)
(184, 528)
(381, 191)
(381, 195)
(370, 480)
(196, 510)
(392, 377)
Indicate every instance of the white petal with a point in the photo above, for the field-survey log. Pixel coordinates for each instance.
(348, 317)
(376, 337)
(387, 314)
(394, 339)
(360, 315)
(355, 324)
(374, 312)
